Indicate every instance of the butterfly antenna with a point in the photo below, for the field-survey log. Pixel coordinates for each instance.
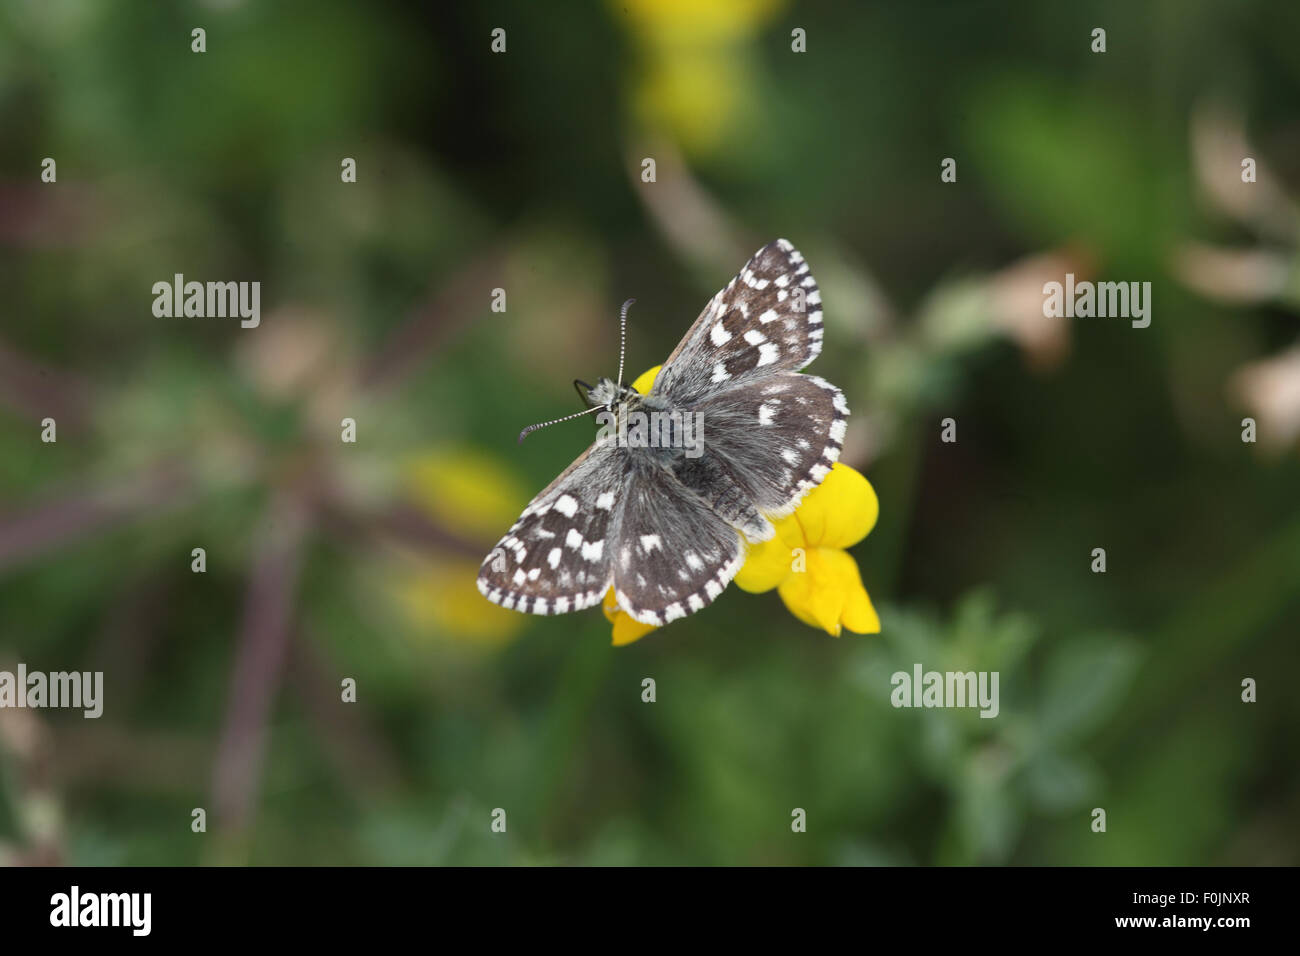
(622, 337)
(555, 421)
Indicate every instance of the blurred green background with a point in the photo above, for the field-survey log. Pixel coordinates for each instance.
(521, 171)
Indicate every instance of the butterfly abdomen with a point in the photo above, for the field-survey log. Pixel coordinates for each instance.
(717, 488)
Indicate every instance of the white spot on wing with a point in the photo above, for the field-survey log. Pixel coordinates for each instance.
(566, 506)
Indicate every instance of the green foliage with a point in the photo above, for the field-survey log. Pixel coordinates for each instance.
(1118, 690)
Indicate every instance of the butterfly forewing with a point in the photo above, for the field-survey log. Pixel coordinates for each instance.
(556, 557)
(767, 319)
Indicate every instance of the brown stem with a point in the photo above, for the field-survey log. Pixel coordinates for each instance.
(362, 758)
(401, 523)
(431, 324)
(25, 534)
(259, 659)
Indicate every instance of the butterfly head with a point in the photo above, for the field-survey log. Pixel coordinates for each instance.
(607, 393)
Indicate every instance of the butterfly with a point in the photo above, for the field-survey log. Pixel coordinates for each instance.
(667, 529)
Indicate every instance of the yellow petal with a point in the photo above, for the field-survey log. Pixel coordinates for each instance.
(766, 566)
(439, 598)
(689, 20)
(829, 594)
(610, 606)
(837, 513)
(809, 604)
(626, 628)
(647, 380)
(860, 615)
(790, 531)
(697, 84)
(840, 511)
(467, 491)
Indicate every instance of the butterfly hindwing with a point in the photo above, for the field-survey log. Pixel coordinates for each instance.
(674, 556)
(556, 557)
(779, 436)
(767, 319)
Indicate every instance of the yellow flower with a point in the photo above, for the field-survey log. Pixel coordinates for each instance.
(697, 68)
(626, 628)
(805, 560)
(471, 495)
(439, 598)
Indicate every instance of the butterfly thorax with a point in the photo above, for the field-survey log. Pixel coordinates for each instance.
(628, 412)
(610, 394)
(652, 433)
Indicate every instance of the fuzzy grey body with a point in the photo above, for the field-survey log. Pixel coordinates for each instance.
(664, 528)
(707, 476)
